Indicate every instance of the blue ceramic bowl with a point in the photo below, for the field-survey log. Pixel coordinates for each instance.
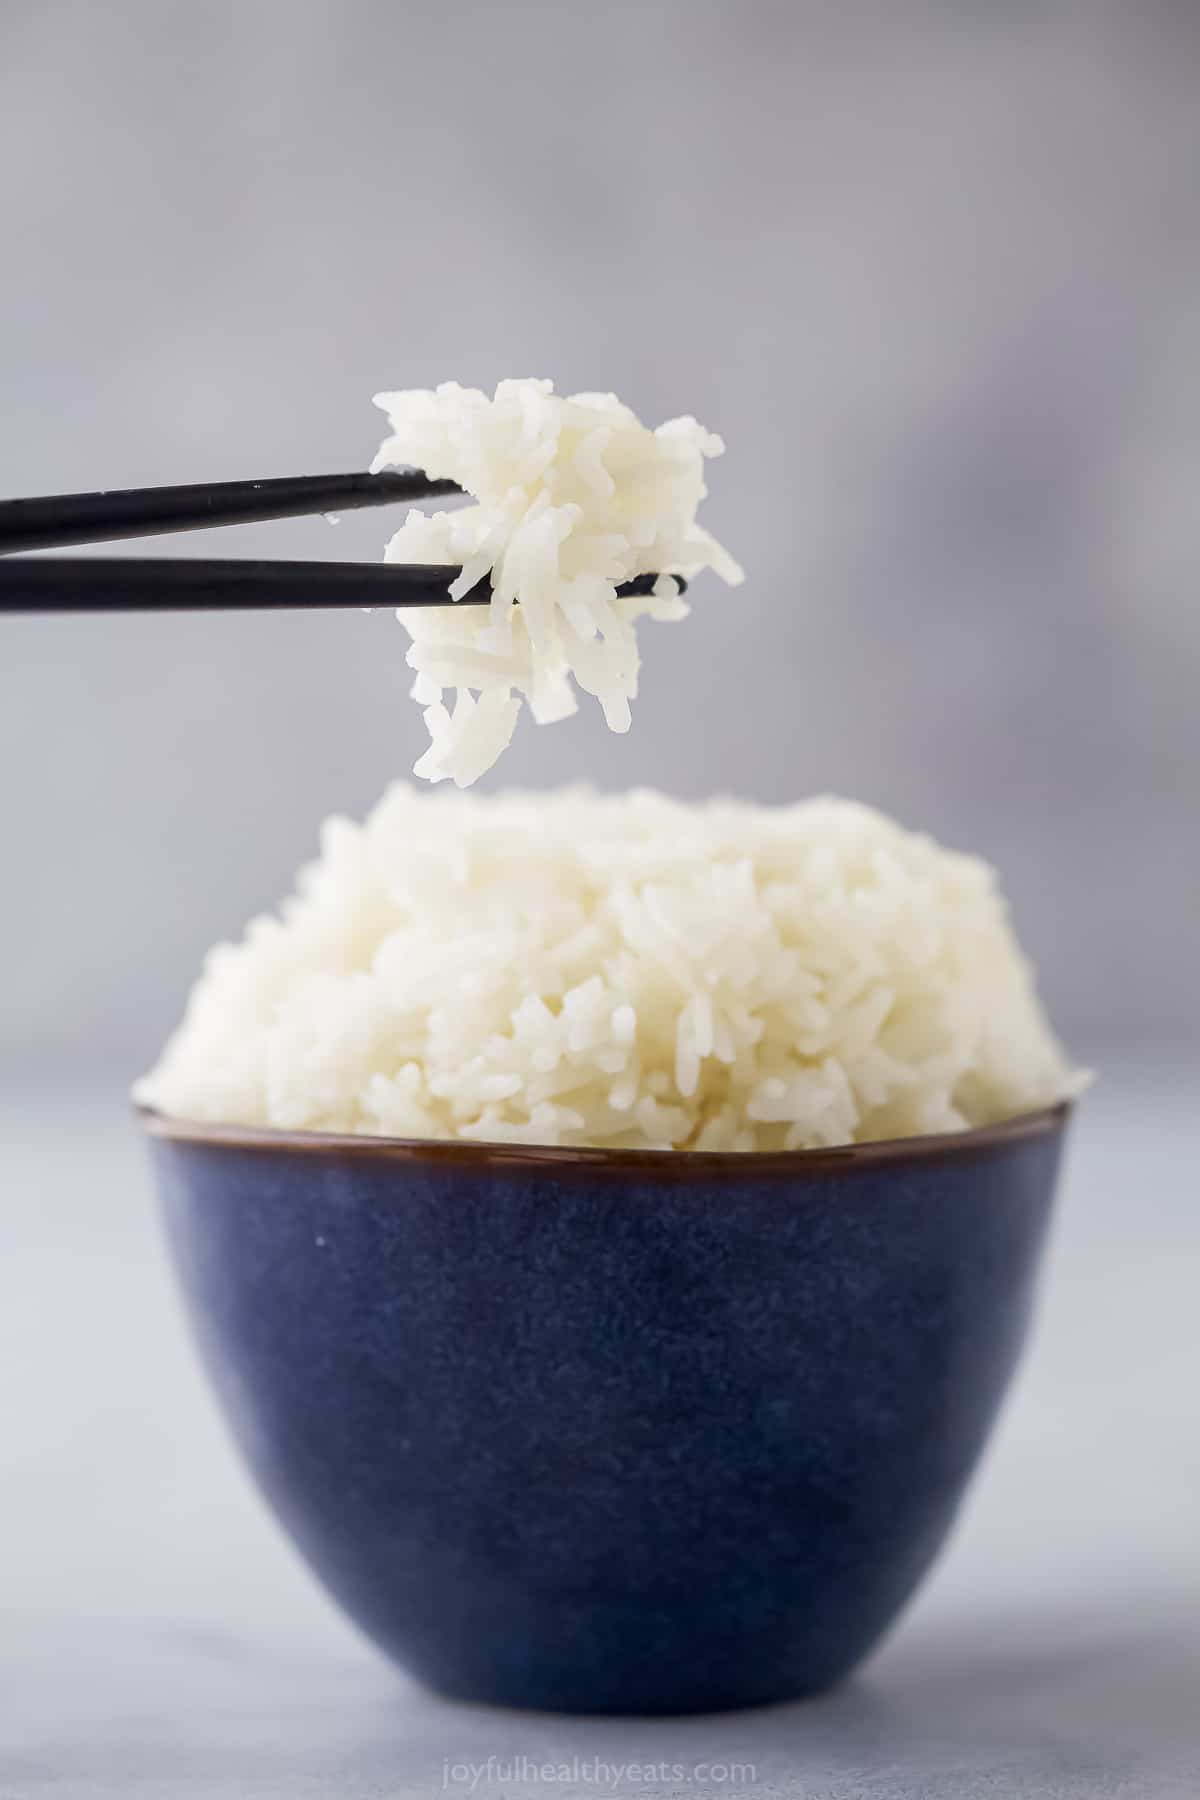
(598, 1431)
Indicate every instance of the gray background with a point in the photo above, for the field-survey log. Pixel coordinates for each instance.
(934, 272)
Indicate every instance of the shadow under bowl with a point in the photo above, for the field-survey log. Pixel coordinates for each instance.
(602, 1431)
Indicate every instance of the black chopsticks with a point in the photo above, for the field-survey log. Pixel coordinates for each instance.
(84, 584)
(47, 522)
(92, 584)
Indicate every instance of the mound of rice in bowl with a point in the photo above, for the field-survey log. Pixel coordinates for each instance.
(573, 497)
(631, 971)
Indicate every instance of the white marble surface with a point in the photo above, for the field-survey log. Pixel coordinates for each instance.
(158, 1637)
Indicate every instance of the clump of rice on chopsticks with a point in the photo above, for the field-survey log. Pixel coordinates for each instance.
(573, 497)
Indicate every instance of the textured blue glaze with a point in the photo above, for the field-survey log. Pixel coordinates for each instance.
(584, 1440)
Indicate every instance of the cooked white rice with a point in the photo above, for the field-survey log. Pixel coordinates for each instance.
(574, 497)
(630, 971)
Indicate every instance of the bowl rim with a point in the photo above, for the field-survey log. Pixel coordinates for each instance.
(458, 1153)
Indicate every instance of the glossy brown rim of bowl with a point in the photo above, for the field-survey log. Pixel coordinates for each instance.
(672, 1164)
